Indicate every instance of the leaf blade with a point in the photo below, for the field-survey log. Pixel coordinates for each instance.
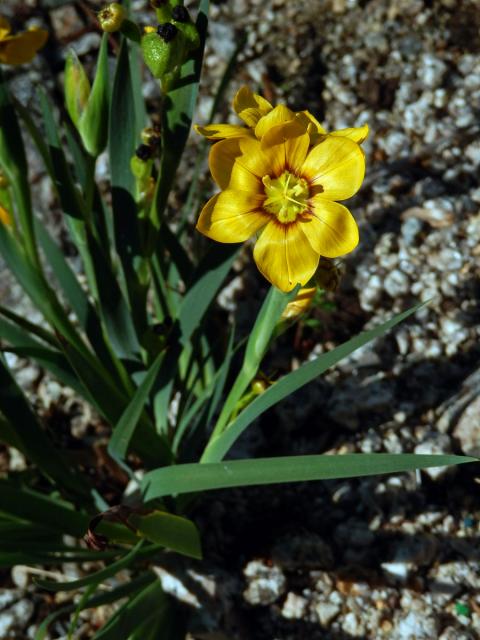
(218, 447)
(189, 478)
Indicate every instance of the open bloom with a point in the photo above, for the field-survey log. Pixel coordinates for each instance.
(22, 47)
(260, 116)
(286, 190)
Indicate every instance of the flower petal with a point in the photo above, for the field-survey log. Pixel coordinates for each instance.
(284, 255)
(232, 216)
(276, 116)
(258, 161)
(332, 230)
(309, 120)
(21, 48)
(221, 160)
(337, 165)
(249, 106)
(222, 131)
(357, 134)
(5, 28)
(289, 141)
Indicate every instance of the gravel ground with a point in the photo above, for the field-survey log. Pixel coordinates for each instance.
(394, 557)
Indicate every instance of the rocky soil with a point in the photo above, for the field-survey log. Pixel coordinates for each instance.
(393, 557)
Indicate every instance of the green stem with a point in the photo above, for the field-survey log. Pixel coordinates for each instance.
(257, 345)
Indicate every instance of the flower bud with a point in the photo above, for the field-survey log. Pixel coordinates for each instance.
(258, 386)
(111, 17)
(300, 304)
(88, 107)
(77, 87)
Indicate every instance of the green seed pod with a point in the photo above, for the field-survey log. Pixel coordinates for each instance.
(161, 54)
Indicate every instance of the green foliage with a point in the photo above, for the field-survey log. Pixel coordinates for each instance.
(136, 336)
(185, 478)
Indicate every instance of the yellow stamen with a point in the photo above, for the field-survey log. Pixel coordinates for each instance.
(286, 196)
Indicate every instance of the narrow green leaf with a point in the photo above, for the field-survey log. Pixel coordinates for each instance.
(74, 294)
(209, 277)
(52, 513)
(122, 140)
(29, 327)
(34, 285)
(257, 345)
(98, 269)
(223, 374)
(97, 577)
(124, 590)
(136, 67)
(14, 164)
(86, 595)
(148, 603)
(168, 241)
(213, 393)
(24, 345)
(218, 447)
(189, 478)
(123, 432)
(171, 531)
(37, 137)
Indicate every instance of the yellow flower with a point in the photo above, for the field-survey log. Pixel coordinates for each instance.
(303, 301)
(20, 48)
(260, 116)
(287, 189)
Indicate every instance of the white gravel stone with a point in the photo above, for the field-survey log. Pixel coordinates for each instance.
(266, 583)
(431, 71)
(294, 606)
(416, 625)
(327, 612)
(398, 570)
(396, 283)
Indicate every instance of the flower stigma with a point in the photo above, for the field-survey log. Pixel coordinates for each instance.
(287, 196)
